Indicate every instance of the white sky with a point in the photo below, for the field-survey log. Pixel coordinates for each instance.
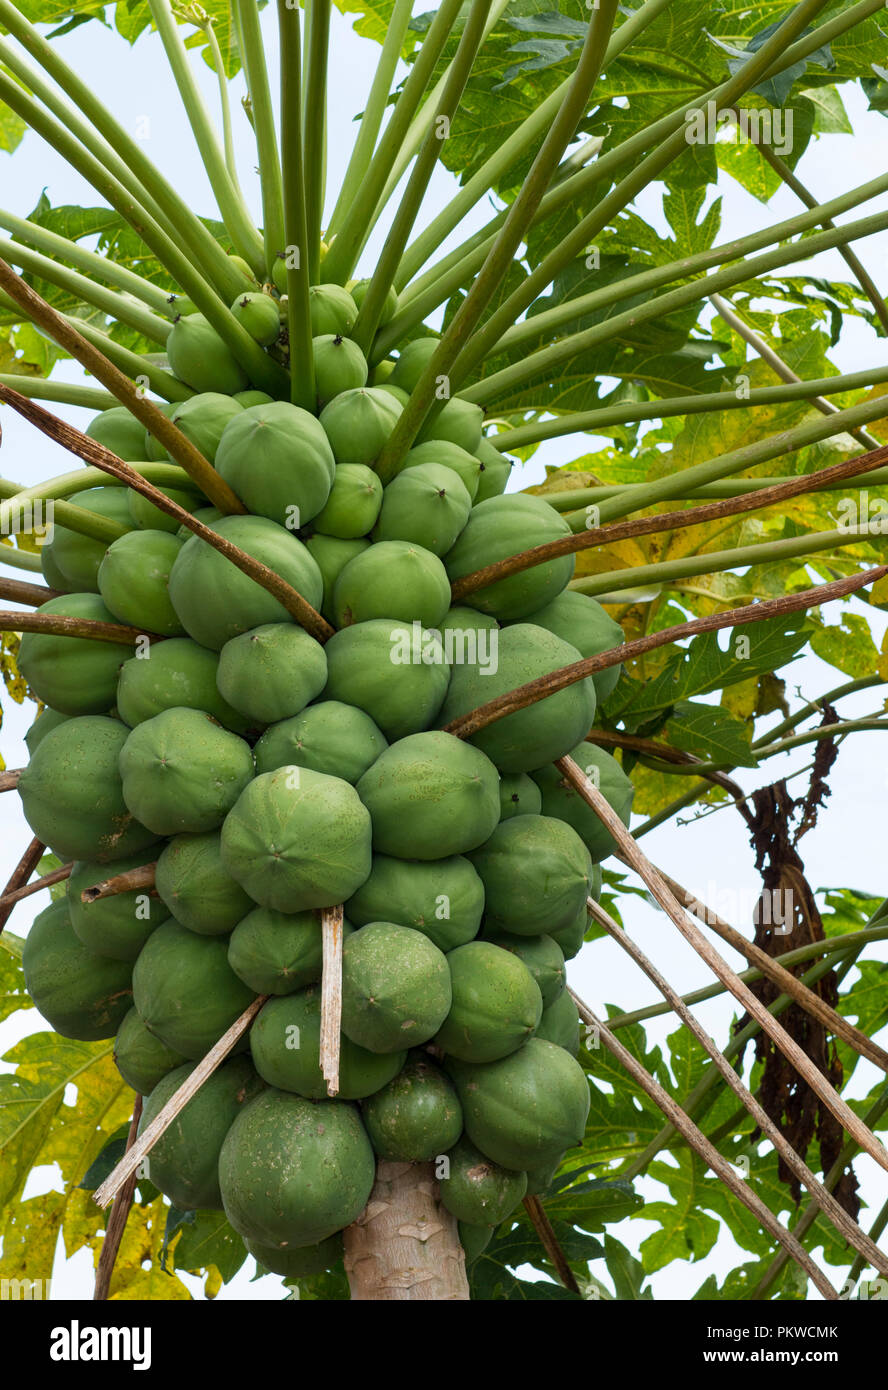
(712, 856)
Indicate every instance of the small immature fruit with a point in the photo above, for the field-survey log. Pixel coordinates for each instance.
(297, 839)
(496, 1004)
(430, 795)
(412, 361)
(357, 423)
(332, 310)
(570, 939)
(44, 723)
(285, 1041)
(120, 431)
(443, 898)
(185, 991)
(395, 988)
(504, 526)
(76, 558)
(142, 1059)
(146, 517)
(446, 455)
(134, 580)
(277, 952)
(582, 622)
(427, 504)
(479, 1191)
(199, 357)
(541, 955)
(119, 926)
(536, 873)
(182, 772)
(339, 365)
(278, 460)
(393, 579)
(560, 1023)
(196, 887)
(272, 672)
(75, 675)
(329, 737)
(153, 450)
(375, 666)
(358, 288)
(496, 469)
(260, 316)
(248, 398)
(459, 423)
(354, 502)
(561, 799)
(80, 995)
(417, 1116)
(519, 796)
(178, 674)
(331, 554)
(203, 418)
(466, 620)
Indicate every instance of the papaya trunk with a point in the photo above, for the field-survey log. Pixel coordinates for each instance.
(404, 1246)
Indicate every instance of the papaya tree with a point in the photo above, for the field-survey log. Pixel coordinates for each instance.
(340, 728)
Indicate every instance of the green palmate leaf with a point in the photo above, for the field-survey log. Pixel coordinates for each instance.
(203, 1240)
(710, 732)
(627, 1273)
(12, 983)
(848, 645)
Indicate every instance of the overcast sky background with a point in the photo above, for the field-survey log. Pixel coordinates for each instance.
(711, 856)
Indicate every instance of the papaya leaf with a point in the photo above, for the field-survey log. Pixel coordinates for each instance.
(627, 1273)
(206, 1240)
(711, 733)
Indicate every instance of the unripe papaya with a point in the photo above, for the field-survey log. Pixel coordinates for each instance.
(134, 580)
(339, 365)
(339, 740)
(46, 720)
(76, 557)
(536, 873)
(277, 459)
(117, 927)
(583, 622)
(570, 939)
(560, 1023)
(153, 450)
(465, 620)
(184, 1160)
(146, 517)
(259, 314)
(51, 572)
(561, 799)
(430, 795)
(412, 361)
(539, 733)
(496, 469)
(196, 888)
(442, 898)
(519, 796)
(203, 418)
(400, 396)
(297, 1264)
(142, 1059)
(541, 955)
(119, 431)
(72, 793)
(272, 672)
(496, 1004)
(354, 502)
(199, 357)
(248, 398)
(393, 579)
(539, 1180)
(331, 554)
(357, 423)
(244, 267)
(358, 288)
(294, 1171)
(208, 515)
(332, 310)
(395, 988)
(477, 1190)
(378, 666)
(297, 839)
(447, 455)
(473, 1239)
(278, 952)
(215, 601)
(80, 995)
(185, 991)
(296, 1019)
(381, 373)
(279, 273)
(177, 674)
(505, 526)
(76, 675)
(427, 504)
(182, 772)
(459, 422)
(416, 1117)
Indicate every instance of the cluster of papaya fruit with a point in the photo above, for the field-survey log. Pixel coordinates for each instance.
(270, 776)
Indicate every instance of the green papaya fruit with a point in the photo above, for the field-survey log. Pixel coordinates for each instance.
(496, 1004)
(248, 398)
(357, 423)
(119, 431)
(199, 357)
(208, 515)
(47, 720)
(393, 579)
(185, 991)
(177, 674)
(75, 675)
(339, 365)
(504, 526)
(277, 952)
(560, 1023)
(216, 601)
(142, 1059)
(182, 772)
(203, 419)
(196, 888)
(51, 572)
(526, 1109)
(279, 273)
(569, 939)
(77, 558)
(80, 995)
(412, 361)
(581, 621)
(331, 554)
(539, 1180)
(463, 620)
(416, 1117)
(381, 374)
(427, 505)
(134, 580)
(146, 517)
(272, 672)
(395, 988)
(152, 449)
(297, 1264)
(72, 793)
(458, 423)
(496, 469)
(561, 799)
(332, 310)
(400, 396)
(446, 455)
(473, 1239)
(538, 734)
(244, 268)
(285, 1041)
(378, 666)
(184, 1160)
(117, 927)
(443, 898)
(430, 796)
(353, 505)
(329, 737)
(537, 875)
(358, 288)
(297, 839)
(477, 1190)
(519, 796)
(542, 956)
(277, 459)
(293, 1171)
(260, 315)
